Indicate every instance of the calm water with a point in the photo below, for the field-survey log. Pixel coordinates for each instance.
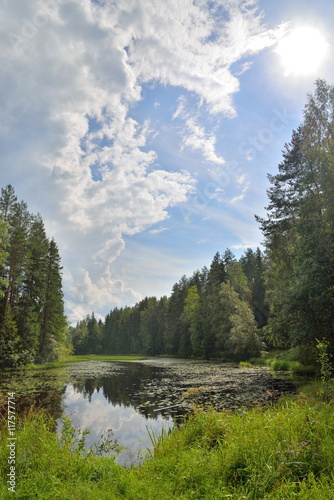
(137, 398)
(114, 396)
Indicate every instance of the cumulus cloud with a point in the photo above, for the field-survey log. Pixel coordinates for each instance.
(70, 72)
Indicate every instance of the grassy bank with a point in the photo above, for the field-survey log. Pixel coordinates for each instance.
(79, 358)
(284, 452)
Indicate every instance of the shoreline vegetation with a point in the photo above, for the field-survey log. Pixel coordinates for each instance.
(278, 361)
(283, 451)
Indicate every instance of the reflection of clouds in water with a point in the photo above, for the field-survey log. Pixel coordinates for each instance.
(71, 394)
(128, 426)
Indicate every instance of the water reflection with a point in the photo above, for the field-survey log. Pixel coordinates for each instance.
(130, 428)
(132, 397)
(113, 395)
(36, 389)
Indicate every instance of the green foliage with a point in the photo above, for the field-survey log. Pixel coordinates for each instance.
(239, 336)
(326, 368)
(4, 239)
(75, 440)
(32, 321)
(191, 316)
(254, 266)
(324, 357)
(279, 364)
(192, 322)
(285, 364)
(284, 452)
(299, 230)
(257, 361)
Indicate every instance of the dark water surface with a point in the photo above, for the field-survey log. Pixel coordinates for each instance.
(136, 398)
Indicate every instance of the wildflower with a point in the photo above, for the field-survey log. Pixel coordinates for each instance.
(278, 452)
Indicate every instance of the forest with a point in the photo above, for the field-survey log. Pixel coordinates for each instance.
(33, 325)
(281, 297)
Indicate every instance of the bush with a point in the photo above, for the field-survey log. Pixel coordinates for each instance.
(294, 366)
(279, 364)
(257, 361)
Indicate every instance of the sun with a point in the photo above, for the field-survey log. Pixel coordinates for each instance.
(302, 51)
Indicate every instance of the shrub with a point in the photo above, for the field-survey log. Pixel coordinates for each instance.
(257, 361)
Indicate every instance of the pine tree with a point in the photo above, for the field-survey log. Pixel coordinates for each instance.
(19, 221)
(254, 266)
(79, 336)
(32, 322)
(4, 240)
(53, 321)
(30, 304)
(177, 339)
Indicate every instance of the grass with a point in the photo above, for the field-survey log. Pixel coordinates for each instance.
(79, 358)
(294, 366)
(257, 361)
(284, 452)
(245, 364)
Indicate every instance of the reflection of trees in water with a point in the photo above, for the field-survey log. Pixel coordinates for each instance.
(35, 390)
(127, 387)
(50, 401)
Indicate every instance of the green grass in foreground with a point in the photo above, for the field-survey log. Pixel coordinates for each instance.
(282, 453)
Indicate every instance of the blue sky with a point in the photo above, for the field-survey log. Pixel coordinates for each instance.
(143, 130)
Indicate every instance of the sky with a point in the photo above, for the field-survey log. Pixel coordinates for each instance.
(143, 130)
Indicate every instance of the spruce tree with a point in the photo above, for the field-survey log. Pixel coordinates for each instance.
(52, 318)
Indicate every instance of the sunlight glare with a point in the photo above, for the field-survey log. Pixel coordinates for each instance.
(302, 51)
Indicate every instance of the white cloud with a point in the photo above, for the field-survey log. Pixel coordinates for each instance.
(70, 72)
(242, 246)
(240, 197)
(159, 230)
(218, 194)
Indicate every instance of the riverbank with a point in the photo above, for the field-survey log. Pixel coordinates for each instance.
(79, 358)
(284, 451)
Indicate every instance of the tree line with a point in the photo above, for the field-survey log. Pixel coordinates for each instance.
(33, 326)
(281, 298)
(217, 311)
